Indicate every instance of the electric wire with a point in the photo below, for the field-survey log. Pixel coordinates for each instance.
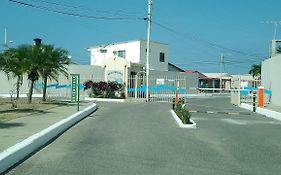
(72, 13)
(199, 39)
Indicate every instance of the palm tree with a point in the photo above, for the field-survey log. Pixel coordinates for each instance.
(35, 62)
(256, 71)
(15, 64)
(54, 61)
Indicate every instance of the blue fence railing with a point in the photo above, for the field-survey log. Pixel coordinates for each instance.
(248, 90)
(58, 86)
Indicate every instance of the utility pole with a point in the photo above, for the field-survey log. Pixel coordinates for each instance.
(5, 37)
(148, 48)
(5, 45)
(275, 28)
(221, 69)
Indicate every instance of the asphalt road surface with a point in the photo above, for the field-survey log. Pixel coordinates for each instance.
(143, 138)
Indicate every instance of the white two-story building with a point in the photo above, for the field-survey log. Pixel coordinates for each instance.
(134, 52)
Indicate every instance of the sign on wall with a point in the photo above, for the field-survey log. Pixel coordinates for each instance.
(115, 76)
(160, 81)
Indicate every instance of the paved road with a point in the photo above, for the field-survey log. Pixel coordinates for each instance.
(144, 139)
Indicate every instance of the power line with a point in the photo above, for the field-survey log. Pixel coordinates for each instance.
(80, 7)
(73, 14)
(199, 39)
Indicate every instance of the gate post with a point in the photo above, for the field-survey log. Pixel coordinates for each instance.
(136, 85)
(261, 97)
(177, 93)
(254, 101)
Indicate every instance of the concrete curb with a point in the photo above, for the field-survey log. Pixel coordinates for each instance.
(104, 99)
(266, 112)
(19, 151)
(179, 122)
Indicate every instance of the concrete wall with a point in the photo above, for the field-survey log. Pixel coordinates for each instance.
(8, 85)
(191, 80)
(86, 72)
(95, 73)
(155, 50)
(270, 77)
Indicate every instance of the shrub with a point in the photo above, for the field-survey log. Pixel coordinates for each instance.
(183, 113)
(105, 89)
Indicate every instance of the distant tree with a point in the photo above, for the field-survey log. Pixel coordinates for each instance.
(53, 62)
(255, 71)
(2, 63)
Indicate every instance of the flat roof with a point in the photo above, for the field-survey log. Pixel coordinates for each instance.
(123, 42)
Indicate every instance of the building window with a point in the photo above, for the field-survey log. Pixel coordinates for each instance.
(121, 53)
(103, 51)
(162, 57)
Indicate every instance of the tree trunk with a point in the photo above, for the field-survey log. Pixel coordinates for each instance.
(18, 86)
(45, 88)
(30, 92)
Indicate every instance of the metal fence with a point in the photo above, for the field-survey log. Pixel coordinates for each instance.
(161, 88)
(242, 91)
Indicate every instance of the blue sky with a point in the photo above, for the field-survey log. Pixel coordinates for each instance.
(197, 31)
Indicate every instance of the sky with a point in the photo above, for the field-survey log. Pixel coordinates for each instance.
(198, 32)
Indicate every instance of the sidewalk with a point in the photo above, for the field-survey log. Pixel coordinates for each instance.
(17, 130)
(269, 110)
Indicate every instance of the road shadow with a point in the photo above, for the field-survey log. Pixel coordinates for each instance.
(10, 125)
(22, 111)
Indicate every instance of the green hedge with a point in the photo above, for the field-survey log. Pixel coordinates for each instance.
(183, 113)
(105, 89)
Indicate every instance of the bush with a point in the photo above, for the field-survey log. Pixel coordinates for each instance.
(183, 113)
(105, 89)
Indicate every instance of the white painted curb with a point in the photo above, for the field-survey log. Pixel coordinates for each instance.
(19, 151)
(180, 122)
(104, 99)
(266, 112)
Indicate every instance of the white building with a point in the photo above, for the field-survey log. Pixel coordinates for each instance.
(134, 52)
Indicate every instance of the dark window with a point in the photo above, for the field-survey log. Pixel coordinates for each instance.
(122, 53)
(162, 57)
(103, 51)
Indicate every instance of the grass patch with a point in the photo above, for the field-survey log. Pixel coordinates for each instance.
(23, 109)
